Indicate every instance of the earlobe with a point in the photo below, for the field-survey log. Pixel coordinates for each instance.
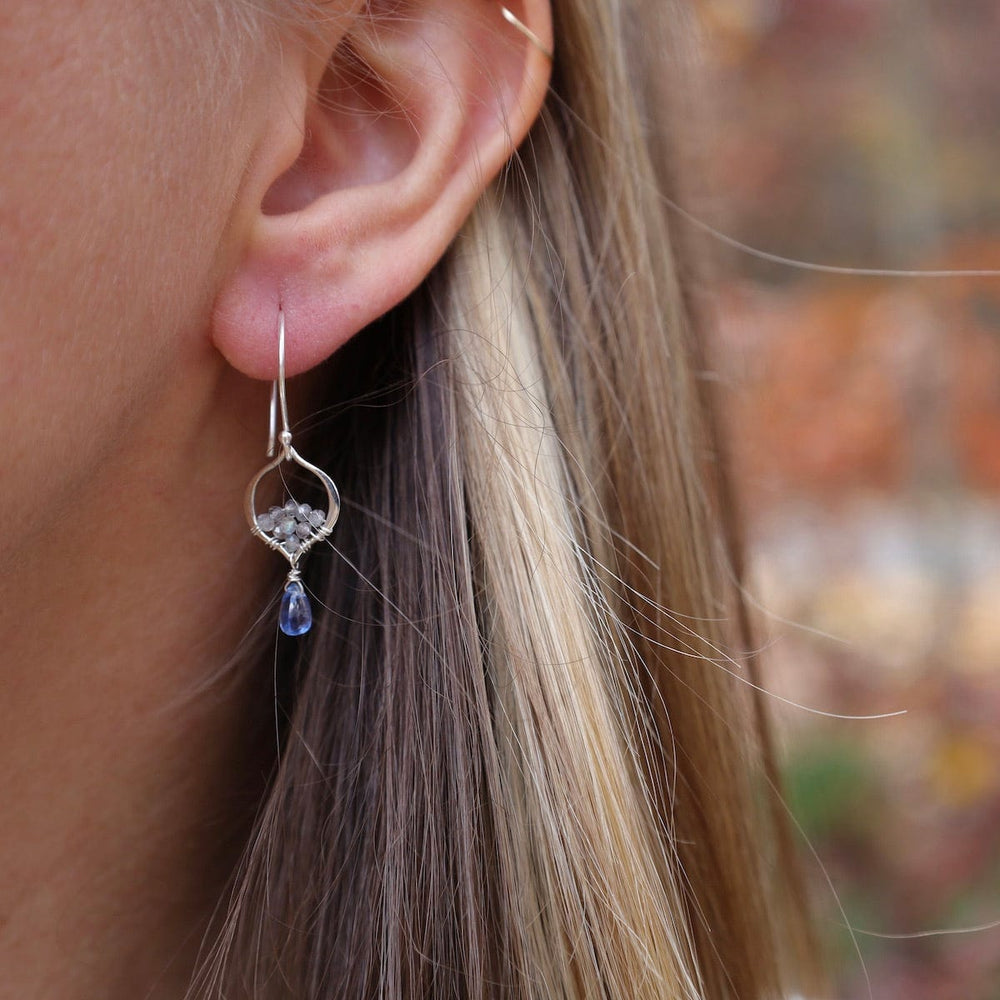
(413, 116)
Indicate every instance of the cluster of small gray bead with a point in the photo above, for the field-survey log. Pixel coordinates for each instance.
(290, 526)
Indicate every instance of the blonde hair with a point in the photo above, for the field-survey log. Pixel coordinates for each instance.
(517, 763)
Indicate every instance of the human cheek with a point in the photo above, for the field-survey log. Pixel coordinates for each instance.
(112, 204)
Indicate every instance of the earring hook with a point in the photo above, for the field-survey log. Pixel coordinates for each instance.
(278, 399)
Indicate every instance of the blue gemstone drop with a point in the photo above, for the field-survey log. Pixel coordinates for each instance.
(296, 616)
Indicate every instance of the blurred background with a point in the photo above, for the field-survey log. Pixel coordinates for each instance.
(866, 426)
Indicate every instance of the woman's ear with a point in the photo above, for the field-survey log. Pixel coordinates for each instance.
(383, 128)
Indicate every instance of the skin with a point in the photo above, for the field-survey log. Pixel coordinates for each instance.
(166, 179)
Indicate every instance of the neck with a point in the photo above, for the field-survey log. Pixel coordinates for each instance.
(131, 758)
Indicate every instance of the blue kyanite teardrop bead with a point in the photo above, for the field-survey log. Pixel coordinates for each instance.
(296, 616)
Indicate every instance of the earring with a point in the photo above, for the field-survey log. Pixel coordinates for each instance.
(511, 18)
(294, 528)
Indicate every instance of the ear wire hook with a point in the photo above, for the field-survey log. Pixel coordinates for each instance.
(279, 400)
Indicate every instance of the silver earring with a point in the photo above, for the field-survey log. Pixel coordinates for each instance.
(511, 18)
(293, 528)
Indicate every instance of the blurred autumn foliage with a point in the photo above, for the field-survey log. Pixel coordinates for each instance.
(842, 386)
(865, 425)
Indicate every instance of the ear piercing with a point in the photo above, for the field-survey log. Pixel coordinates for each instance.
(291, 528)
(513, 19)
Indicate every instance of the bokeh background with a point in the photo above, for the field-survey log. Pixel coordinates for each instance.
(865, 417)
